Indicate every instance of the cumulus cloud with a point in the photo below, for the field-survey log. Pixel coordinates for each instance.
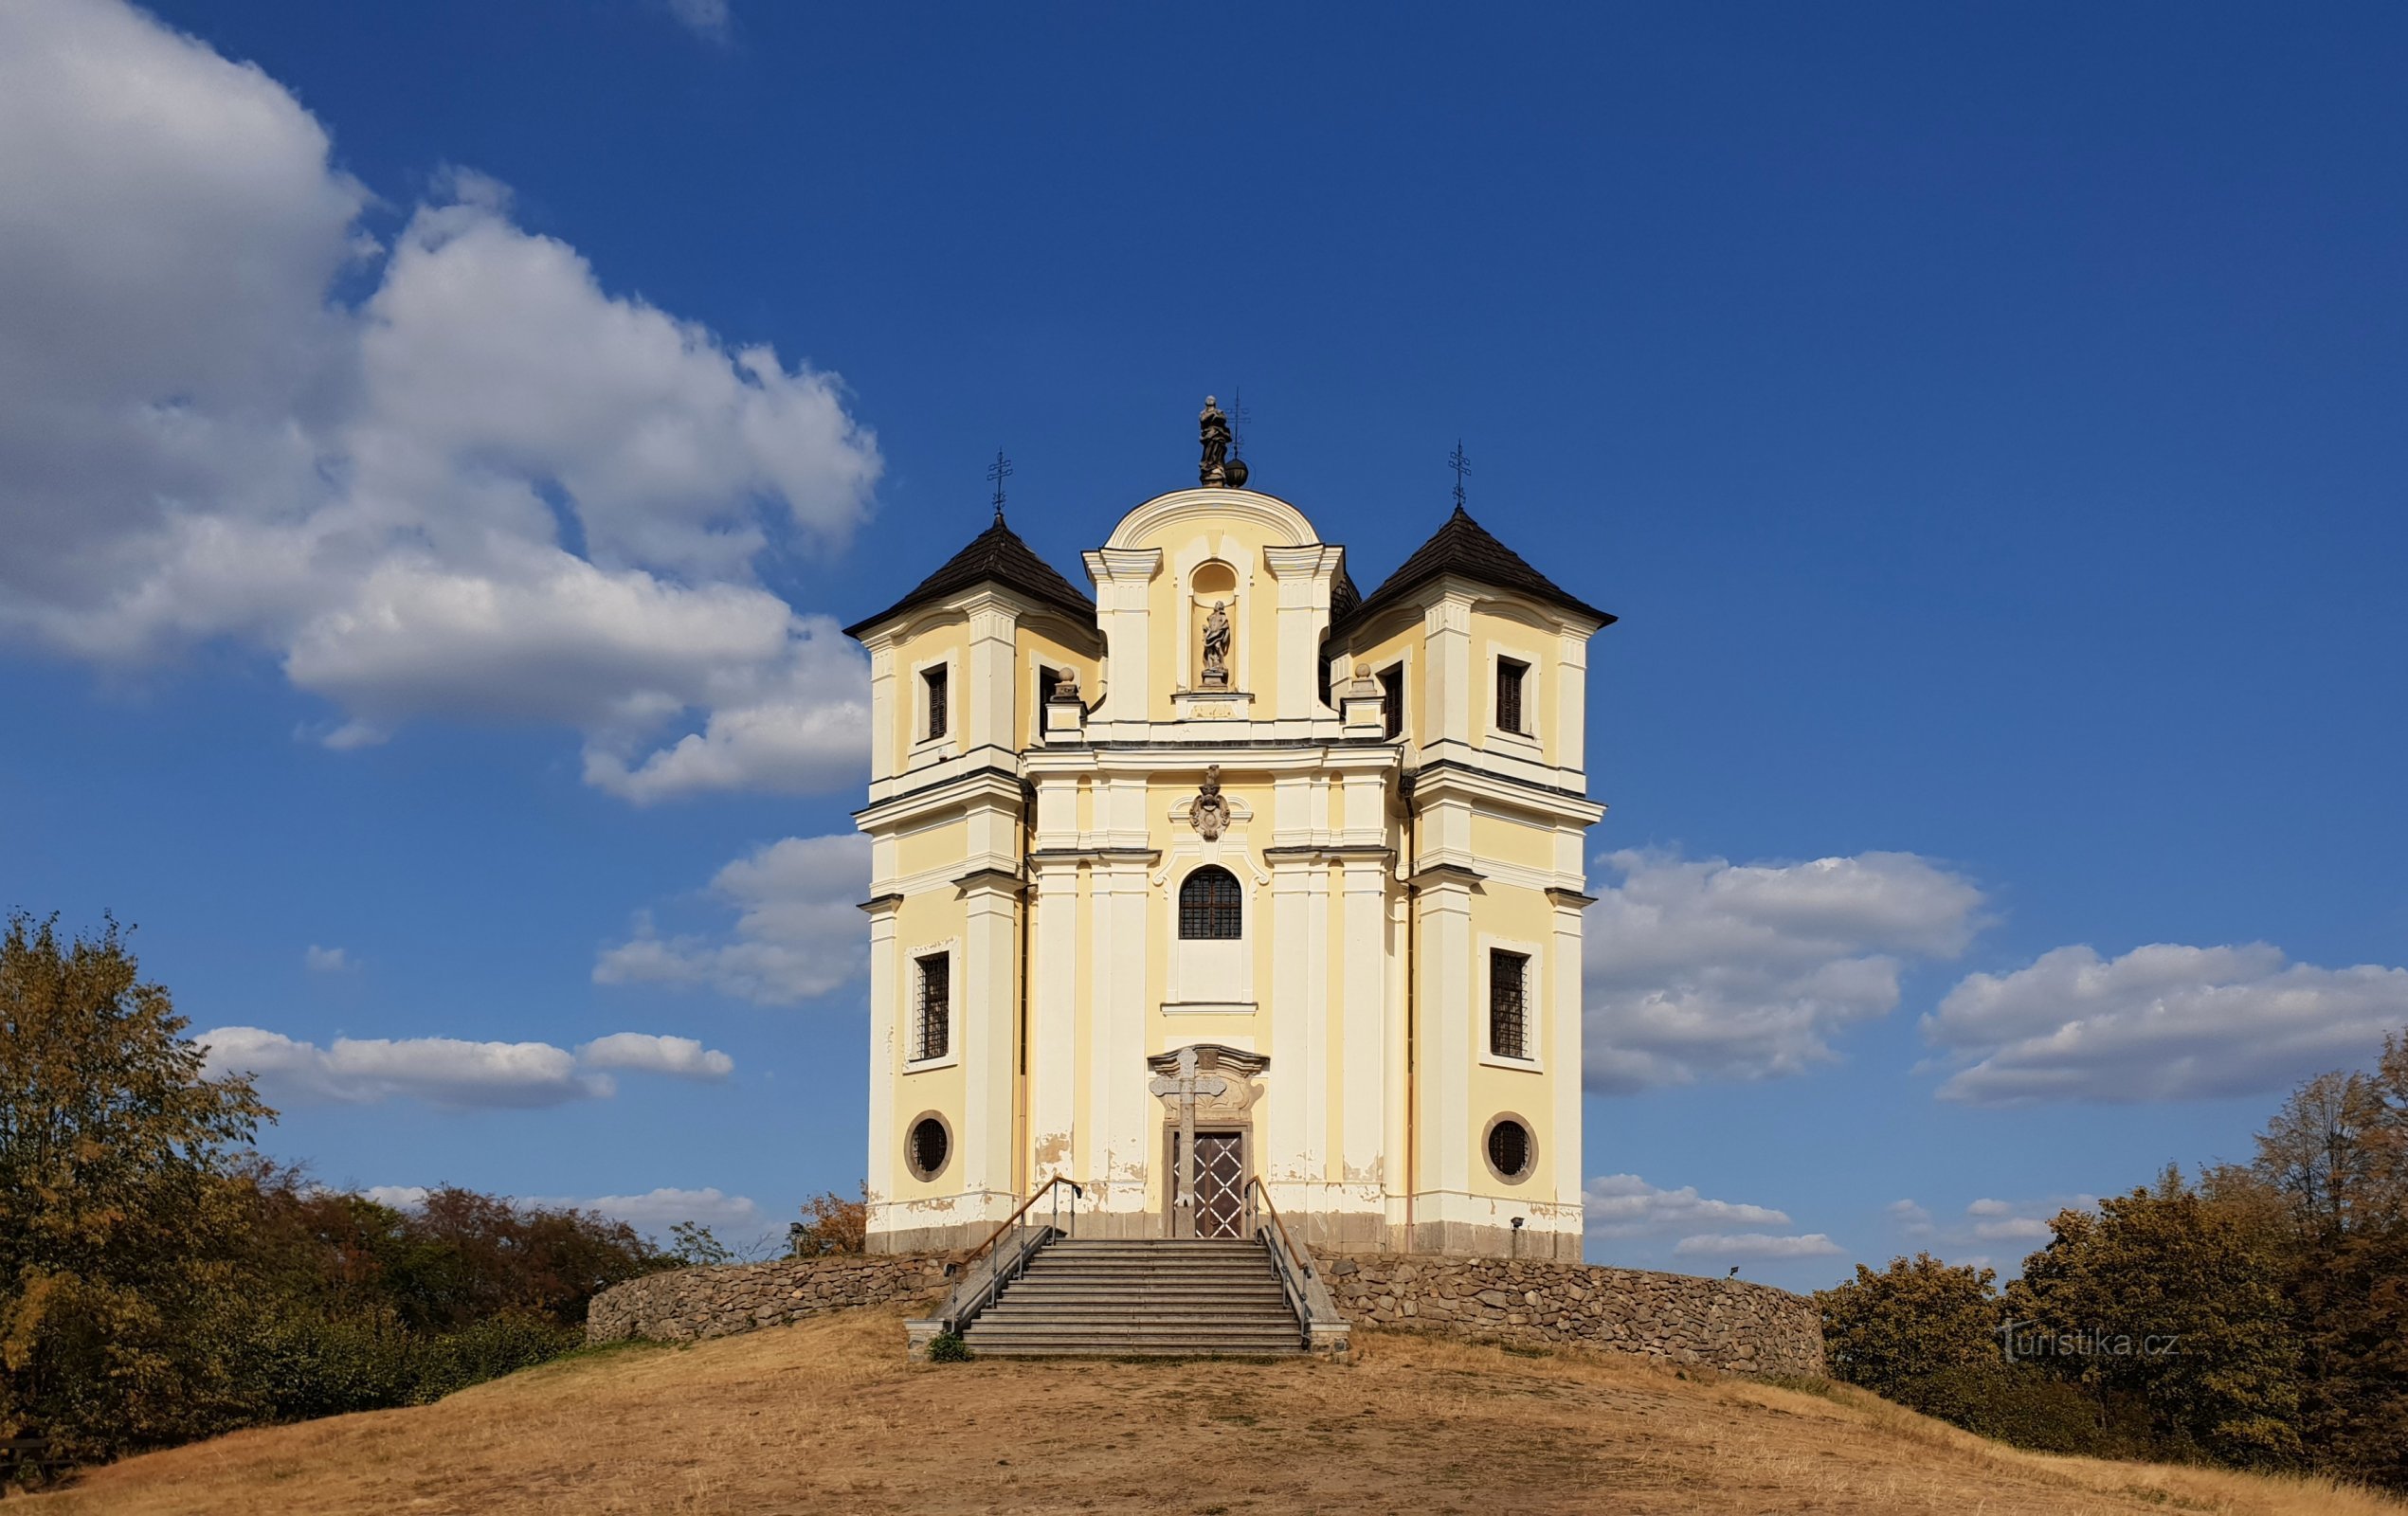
(400, 1197)
(1985, 1221)
(1708, 969)
(489, 489)
(1759, 1245)
(449, 1072)
(1622, 1205)
(326, 960)
(2161, 1022)
(680, 1058)
(1910, 1218)
(797, 933)
(666, 1207)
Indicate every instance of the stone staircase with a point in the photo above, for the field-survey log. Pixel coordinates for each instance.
(1158, 1297)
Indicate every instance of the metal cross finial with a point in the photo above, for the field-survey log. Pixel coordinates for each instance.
(998, 472)
(1461, 466)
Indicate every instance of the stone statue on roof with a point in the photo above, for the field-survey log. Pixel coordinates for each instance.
(1214, 425)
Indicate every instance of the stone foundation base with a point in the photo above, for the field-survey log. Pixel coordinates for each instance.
(1728, 1324)
(686, 1304)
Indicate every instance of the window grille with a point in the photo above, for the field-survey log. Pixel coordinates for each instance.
(1392, 698)
(1509, 693)
(1509, 1148)
(935, 680)
(934, 1035)
(1211, 908)
(929, 1147)
(1505, 1021)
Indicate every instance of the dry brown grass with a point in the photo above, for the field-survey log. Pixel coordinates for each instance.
(827, 1417)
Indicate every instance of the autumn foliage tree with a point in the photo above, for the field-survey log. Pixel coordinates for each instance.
(113, 1149)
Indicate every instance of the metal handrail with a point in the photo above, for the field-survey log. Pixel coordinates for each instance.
(978, 1299)
(1284, 1256)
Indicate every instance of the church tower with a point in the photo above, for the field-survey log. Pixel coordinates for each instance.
(1234, 873)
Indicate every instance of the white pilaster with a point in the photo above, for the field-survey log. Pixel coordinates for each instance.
(992, 654)
(1447, 707)
(1362, 1108)
(1565, 1048)
(988, 997)
(884, 1064)
(1287, 1160)
(1124, 577)
(1056, 1145)
(1303, 574)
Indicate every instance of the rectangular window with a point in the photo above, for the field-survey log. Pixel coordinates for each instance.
(1392, 698)
(935, 679)
(933, 1035)
(1506, 1022)
(1509, 693)
(1048, 680)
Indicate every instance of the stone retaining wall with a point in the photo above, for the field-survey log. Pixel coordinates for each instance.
(686, 1304)
(1722, 1323)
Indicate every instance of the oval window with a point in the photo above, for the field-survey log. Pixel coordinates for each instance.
(928, 1147)
(1509, 1149)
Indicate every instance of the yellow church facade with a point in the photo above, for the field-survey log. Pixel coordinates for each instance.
(1228, 873)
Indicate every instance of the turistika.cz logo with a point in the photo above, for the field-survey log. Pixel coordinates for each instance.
(2026, 1339)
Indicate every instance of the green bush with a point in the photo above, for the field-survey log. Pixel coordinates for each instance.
(948, 1348)
(487, 1350)
(2014, 1403)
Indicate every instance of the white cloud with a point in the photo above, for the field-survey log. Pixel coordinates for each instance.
(1759, 1245)
(1621, 1205)
(1703, 968)
(1987, 1220)
(489, 490)
(400, 1197)
(707, 19)
(2161, 1022)
(680, 1058)
(662, 1208)
(326, 960)
(449, 1072)
(2014, 1229)
(1910, 1218)
(440, 1070)
(797, 934)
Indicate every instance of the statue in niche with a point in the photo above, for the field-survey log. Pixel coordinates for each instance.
(1214, 425)
(1215, 646)
(1210, 810)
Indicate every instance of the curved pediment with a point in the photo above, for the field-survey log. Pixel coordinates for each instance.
(1266, 517)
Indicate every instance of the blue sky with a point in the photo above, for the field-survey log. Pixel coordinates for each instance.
(1987, 424)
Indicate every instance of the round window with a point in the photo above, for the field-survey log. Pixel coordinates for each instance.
(928, 1147)
(1511, 1150)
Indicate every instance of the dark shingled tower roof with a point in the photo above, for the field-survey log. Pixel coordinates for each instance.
(1464, 547)
(995, 556)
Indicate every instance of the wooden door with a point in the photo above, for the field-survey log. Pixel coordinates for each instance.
(1221, 1185)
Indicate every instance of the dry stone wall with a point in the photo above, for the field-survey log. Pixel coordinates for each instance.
(686, 1304)
(1721, 1324)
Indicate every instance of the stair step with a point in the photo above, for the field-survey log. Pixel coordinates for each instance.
(1156, 1297)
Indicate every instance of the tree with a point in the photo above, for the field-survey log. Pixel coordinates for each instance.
(830, 1223)
(114, 1151)
(2337, 1152)
(2169, 1309)
(1916, 1317)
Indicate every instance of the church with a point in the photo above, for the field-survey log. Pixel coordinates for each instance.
(1228, 875)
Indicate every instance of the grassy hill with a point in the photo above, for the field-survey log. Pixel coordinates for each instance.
(827, 1417)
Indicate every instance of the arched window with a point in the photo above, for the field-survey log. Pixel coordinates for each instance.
(1211, 908)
